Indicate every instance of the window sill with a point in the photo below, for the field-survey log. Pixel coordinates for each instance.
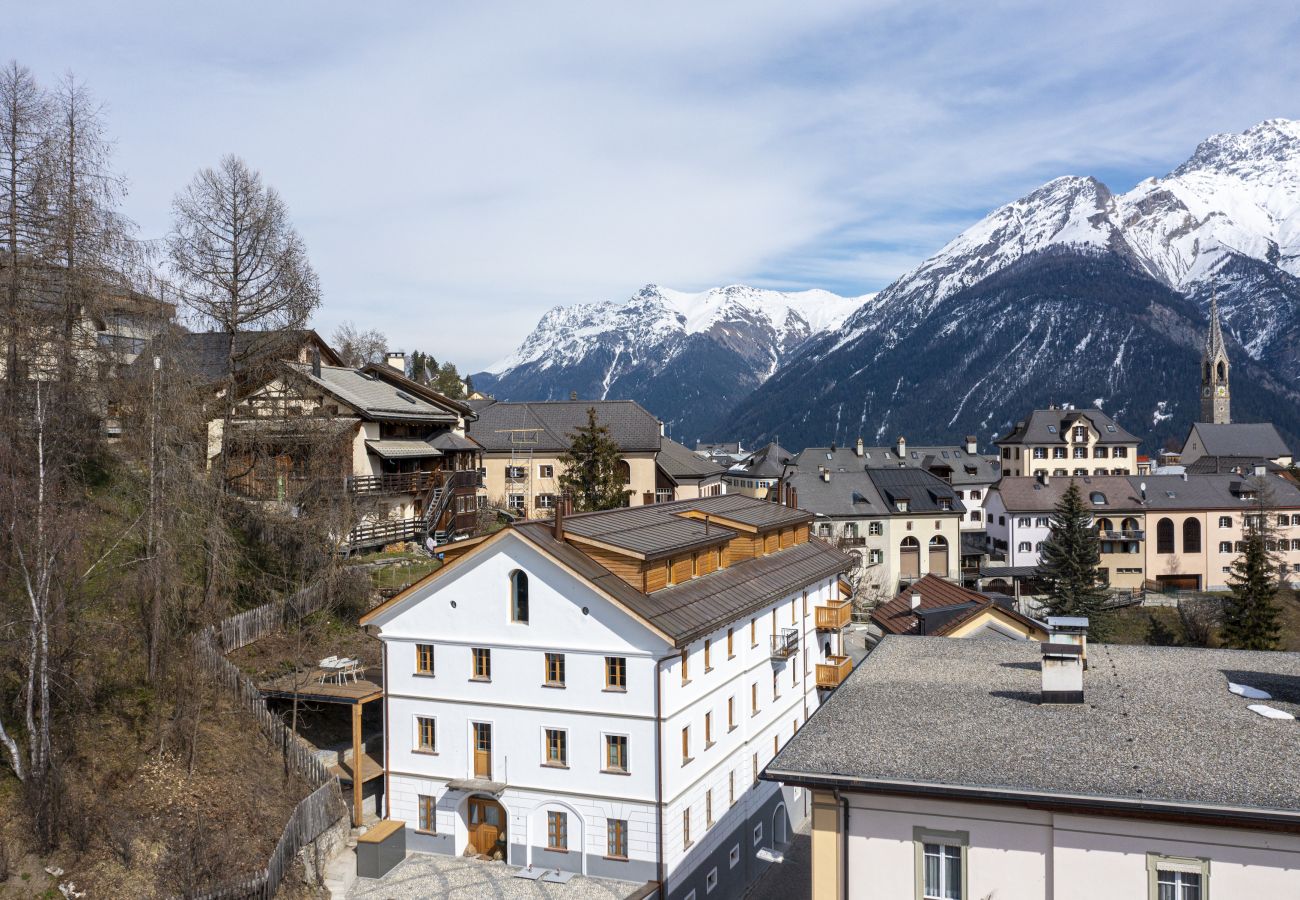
(557, 849)
(484, 680)
(708, 669)
(731, 728)
(614, 690)
(425, 752)
(616, 771)
(615, 858)
(709, 745)
(551, 765)
(553, 685)
(425, 831)
(686, 845)
(688, 760)
(685, 682)
(422, 674)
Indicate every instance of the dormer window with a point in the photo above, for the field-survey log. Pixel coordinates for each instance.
(519, 597)
(901, 504)
(945, 503)
(1097, 498)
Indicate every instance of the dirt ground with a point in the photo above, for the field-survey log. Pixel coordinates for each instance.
(1132, 625)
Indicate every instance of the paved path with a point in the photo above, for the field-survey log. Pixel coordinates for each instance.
(425, 876)
(791, 879)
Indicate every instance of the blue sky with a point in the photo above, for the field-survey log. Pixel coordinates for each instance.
(457, 168)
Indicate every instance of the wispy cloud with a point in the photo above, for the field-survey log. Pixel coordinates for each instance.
(457, 168)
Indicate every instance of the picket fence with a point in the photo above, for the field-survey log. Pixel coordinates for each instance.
(317, 811)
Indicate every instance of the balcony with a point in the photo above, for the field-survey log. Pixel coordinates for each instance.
(393, 483)
(785, 643)
(834, 616)
(1122, 535)
(831, 674)
(846, 543)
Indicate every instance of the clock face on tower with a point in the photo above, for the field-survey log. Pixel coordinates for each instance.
(1222, 391)
(1205, 391)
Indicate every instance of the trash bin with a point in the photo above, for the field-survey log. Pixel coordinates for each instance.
(381, 848)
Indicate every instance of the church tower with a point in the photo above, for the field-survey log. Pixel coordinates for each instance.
(1215, 394)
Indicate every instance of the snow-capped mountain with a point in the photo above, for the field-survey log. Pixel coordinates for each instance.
(1036, 271)
(686, 356)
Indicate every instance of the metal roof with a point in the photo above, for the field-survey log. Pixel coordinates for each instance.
(768, 461)
(922, 490)
(1049, 426)
(680, 463)
(403, 449)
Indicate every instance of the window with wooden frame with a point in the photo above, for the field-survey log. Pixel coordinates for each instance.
(686, 827)
(708, 808)
(616, 753)
(776, 685)
(557, 747)
(731, 787)
(731, 713)
(686, 745)
(426, 734)
(555, 670)
(805, 604)
(519, 595)
(557, 830)
(482, 664)
(686, 667)
(424, 659)
(1177, 878)
(616, 838)
(754, 762)
(708, 730)
(794, 612)
(731, 644)
(427, 819)
(753, 698)
(753, 632)
(615, 673)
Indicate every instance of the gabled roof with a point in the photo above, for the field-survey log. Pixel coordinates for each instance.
(768, 461)
(1028, 494)
(380, 392)
(682, 464)
(922, 490)
(403, 449)
(1049, 426)
(967, 468)
(1219, 492)
(549, 425)
(206, 352)
(1252, 439)
(956, 604)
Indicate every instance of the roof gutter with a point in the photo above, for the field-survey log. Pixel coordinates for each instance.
(1238, 815)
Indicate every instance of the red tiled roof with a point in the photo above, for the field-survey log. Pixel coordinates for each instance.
(895, 616)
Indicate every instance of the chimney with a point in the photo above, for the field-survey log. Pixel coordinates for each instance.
(916, 599)
(902, 447)
(826, 475)
(859, 448)
(315, 361)
(794, 497)
(972, 445)
(397, 360)
(558, 524)
(1069, 630)
(573, 395)
(1260, 470)
(1062, 667)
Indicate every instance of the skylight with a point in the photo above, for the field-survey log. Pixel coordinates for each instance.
(1110, 428)
(1051, 429)
(405, 396)
(957, 453)
(945, 454)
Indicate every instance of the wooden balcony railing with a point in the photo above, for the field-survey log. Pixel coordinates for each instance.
(834, 616)
(785, 643)
(831, 674)
(393, 483)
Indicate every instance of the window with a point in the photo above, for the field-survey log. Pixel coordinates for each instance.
(546, 471)
(1040, 453)
(1097, 498)
(686, 827)
(1225, 546)
(758, 834)
(731, 644)
(1120, 452)
(426, 737)
(1165, 536)
(1023, 522)
(482, 664)
(754, 764)
(1295, 519)
(1024, 547)
(1177, 878)
(555, 670)
(731, 713)
(427, 819)
(557, 830)
(515, 502)
(974, 495)
(733, 858)
(753, 632)
(1058, 453)
(686, 745)
(515, 472)
(708, 730)
(1191, 536)
(557, 747)
(711, 881)
(776, 686)
(753, 697)
(731, 789)
(1080, 453)
(615, 673)
(976, 515)
(686, 677)
(941, 864)
(1099, 453)
(1043, 522)
(519, 597)
(424, 659)
(1225, 521)
(875, 529)
(708, 655)
(708, 808)
(1080, 433)
(875, 557)
(545, 501)
(615, 753)
(1283, 521)
(616, 838)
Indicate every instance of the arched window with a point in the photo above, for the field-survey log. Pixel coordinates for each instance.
(1104, 525)
(909, 558)
(1191, 536)
(624, 471)
(1165, 536)
(518, 597)
(1207, 371)
(939, 556)
(1129, 525)
(1223, 371)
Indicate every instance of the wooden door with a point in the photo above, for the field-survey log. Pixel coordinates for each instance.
(482, 750)
(485, 823)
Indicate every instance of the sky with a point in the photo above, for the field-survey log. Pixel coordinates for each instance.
(458, 168)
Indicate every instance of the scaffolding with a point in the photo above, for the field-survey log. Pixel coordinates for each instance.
(519, 472)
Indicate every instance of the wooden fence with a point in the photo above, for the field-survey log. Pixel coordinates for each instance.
(317, 811)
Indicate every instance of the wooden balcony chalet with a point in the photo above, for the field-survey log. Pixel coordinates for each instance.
(785, 643)
(834, 615)
(831, 674)
(393, 483)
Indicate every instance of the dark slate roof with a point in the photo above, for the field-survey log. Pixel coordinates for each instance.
(448, 440)
(379, 394)
(985, 471)
(1227, 465)
(692, 610)
(206, 352)
(922, 490)
(1028, 494)
(403, 449)
(847, 494)
(680, 463)
(1035, 429)
(961, 718)
(1173, 492)
(768, 461)
(717, 447)
(551, 423)
(1254, 439)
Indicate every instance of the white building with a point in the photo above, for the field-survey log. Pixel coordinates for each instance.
(600, 693)
(968, 769)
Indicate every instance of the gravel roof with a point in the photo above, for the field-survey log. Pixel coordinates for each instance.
(552, 423)
(1034, 429)
(1241, 439)
(962, 717)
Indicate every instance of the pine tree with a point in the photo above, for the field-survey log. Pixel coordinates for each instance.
(593, 468)
(1069, 564)
(448, 382)
(1251, 613)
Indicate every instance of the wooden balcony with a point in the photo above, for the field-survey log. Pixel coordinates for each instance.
(831, 674)
(785, 643)
(393, 483)
(834, 616)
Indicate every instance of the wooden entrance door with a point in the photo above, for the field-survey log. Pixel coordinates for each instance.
(482, 750)
(486, 820)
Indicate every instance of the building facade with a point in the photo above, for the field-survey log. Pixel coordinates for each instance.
(758, 473)
(1068, 442)
(604, 690)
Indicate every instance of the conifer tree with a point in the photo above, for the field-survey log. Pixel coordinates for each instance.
(1250, 617)
(593, 468)
(1069, 564)
(448, 383)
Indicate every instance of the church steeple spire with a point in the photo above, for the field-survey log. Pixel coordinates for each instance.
(1215, 393)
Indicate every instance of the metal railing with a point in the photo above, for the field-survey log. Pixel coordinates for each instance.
(1123, 535)
(785, 643)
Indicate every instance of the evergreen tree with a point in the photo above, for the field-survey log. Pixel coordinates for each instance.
(1069, 564)
(1250, 615)
(448, 382)
(423, 368)
(593, 468)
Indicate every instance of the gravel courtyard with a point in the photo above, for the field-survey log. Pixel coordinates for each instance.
(423, 876)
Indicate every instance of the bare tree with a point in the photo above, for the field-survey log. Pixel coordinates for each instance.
(356, 348)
